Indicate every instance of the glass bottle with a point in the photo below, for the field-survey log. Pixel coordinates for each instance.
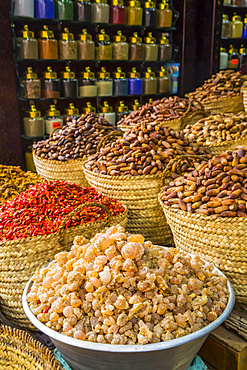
(68, 84)
(27, 44)
(149, 14)
(31, 85)
(87, 83)
(134, 83)
(117, 12)
(24, 8)
(233, 61)
(34, 125)
(103, 47)
(163, 81)
(120, 48)
(120, 83)
(226, 27)
(164, 14)
(227, 2)
(48, 48)
(150, 48)
(149, 82)
(70, 112)
(104, 83)
(242, 56)
(108, 113)
(64, 9)
(236, 27)
(44, 9)
(134, 13)
(165, 49)
(122, 111)
(50, 84)
(244, 35)
(86, 46)
(136, 48)
(67, 45)
(100, 11)
(223, 58)
(53, 119)
(82, 10)
(89, 108)
(29, 159)
(135, 106)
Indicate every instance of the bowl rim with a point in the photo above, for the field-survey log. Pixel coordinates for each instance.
(133, 348)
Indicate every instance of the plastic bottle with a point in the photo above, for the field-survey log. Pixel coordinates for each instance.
(34, 125)
(236, 27)
(104, 83)
(233, 61)
(164, 14)
(68, 84)
(103, 46)
(44, 9)
(70, 112)
(48, 48)
(122, 111)
(223, 58)
(24, 8)
(134, 83)
(244, 35)
(67, 45)
(120, 83)
(117, 12)
(86, 46)
(109, 115)
(28, 44)
(87, 83)
(149, 14)
(134, 13)
(100, 11)
(53, 119)
(120, 48)
(64, 9)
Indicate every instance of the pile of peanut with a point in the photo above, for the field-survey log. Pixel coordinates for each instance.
(119, 289)
(217, 188)
(217, 129)
(146, 149)
(222, 85)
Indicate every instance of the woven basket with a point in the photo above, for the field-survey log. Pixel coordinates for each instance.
(221, 241)
(227, 145)
(227, 105)
(19, 351)
(244, 92)
(20, 258)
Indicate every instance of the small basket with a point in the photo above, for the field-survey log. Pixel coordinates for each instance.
(225, 105)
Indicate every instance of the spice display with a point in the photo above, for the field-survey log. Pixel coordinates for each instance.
(64, 9)
(78, 139)
(149, 14)
(48, 48)
(87, 83)
(233, 61)
(223, 84)
(70, 113)
(82, 10)
(242, 55)
(149, 82)
(44, 9)
(244, 34)
(164, 14)
(108, 113)
(50, 84)
(223, 58)
(163, 81)
(68, 84)
(134, 83)
(104, 83)
(100, 11)
(31, 85)
(120, 83)
(226, 27)
(165, 49)
(236, 27)
(136, 49)
(120, 48)
(28, 44)
(144, 301)
(117, 12)
(24, 8)
(219, 187)
(53, 119)
(103, 47)
(122, 111)
(67, 45)
(150, 48)
(86, 47)
(134, 13)
(13, 181)
(34, 125)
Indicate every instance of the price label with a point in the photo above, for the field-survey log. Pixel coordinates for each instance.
(234, 61)
(56, 125)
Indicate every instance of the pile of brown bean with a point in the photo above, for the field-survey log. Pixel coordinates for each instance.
(217, 188)
(77, 139)
(223, 84)
(160, 110)
(217, 129)
(146, 149)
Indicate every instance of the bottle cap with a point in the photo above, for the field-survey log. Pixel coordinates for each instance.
(87, 74)
(232, 50)
(106, 108)
(133, 3)
(245, 19)
(163, 72)
(135, 39)
(66, 35)
(164, 40)
(30, 75)
(225, 17)
(34, 113)
(26, 33)
(119, 37)
(149, 73)
(222, 50)
(102, 36)
(150, 4)
(67, 74)
(49, 74)
(163, 5)
(71, 110)
(84, 36)
(84, 0)
(150, 39)
(242, 50)
(150, 101)
(46, 33)
(89, 108)
(119, 73)
(101, 1)
(136, 105)
(103, 74)
(52, 112)
(134, 73)
(236, 18)
(121, 107)
(117, 2)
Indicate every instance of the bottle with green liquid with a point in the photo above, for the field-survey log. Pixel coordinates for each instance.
(64, 9)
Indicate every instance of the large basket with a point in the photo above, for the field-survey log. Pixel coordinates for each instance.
(244, 92)
(20, 258)
(226, 105)
(221, 241)
(227, 145)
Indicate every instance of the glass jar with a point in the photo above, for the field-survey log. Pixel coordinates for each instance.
(122, 111)
(136, 49)
(134, 13)
(53, 120)
(165, 49)
(135, 106)
(82, 10)
(103, 46)
(64, 9)
(134, 83)
(223, 58)
(87, 83)
(89, 108)
(244, 34)
(86, 47)
(164, 14)
(226, 27)
(227, 2)
(233, 61)
(50, 84)
(149, 14)
(149, 82)
(47, 44)
(108, 113)
(236, 27)
(117, 12)
(237, 2)
(104, 83)
(24, 8)
(68, 84)
(120, 83)
(67, 45)
(31, 85)
(34, 125)
(70, 112)
(150, 48)
(163, 81)
(120, 48)
(27, 44)
(44, 9)
(100, 12)
(242, 56)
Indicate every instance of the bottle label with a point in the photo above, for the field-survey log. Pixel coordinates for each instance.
(234, 61)
(56, 125)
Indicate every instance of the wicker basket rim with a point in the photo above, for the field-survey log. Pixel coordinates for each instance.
(221, 99)
(58, 163)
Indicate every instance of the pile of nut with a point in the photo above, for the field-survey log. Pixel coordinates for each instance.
(222, 85)
(218, 128)
(119, 289)
(77, 139)
(146, 149)
(160, 110)
(217, 188)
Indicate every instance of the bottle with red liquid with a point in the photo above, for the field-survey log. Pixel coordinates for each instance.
(117, 12)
